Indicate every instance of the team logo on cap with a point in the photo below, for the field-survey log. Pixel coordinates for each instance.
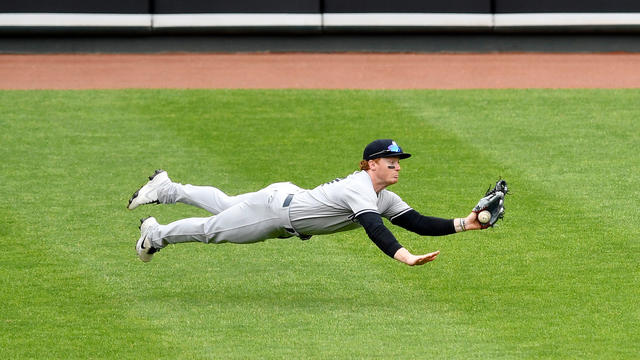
(394, 147)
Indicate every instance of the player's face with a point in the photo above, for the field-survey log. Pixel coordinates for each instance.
(388, 169)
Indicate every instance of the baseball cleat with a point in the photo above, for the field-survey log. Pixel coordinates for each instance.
(148, 194)
(143, 246)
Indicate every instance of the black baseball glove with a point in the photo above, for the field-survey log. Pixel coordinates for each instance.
(493, 202)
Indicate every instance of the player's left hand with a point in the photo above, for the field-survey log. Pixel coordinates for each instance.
(471, 222)
(493, 202)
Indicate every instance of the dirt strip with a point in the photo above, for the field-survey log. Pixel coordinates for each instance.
(320, 71)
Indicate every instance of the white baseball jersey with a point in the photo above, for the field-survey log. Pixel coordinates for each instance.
(333, 206)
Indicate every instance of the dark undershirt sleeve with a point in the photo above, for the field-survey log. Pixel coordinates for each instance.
(424, 225)
(378, 233)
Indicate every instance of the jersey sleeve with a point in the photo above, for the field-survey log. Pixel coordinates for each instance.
(360, 201)
(391, 205)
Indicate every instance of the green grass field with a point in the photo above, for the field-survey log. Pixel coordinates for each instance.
(558, 279)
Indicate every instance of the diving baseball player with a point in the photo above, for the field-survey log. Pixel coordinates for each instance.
(283, 210)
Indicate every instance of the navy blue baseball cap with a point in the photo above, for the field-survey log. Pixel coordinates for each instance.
(383, 148)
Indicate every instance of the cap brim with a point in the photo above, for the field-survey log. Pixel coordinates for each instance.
(398, 155)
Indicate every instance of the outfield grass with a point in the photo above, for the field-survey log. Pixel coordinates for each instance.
(558, 279)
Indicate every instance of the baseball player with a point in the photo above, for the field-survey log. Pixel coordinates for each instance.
(285, 210)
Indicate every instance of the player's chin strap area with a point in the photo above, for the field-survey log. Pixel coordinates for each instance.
(290, 229)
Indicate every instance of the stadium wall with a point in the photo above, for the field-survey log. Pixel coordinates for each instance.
(318, 16)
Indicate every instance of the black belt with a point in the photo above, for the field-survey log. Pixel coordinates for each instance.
(287, 202)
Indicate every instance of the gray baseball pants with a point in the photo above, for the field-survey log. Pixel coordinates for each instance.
(241, 219)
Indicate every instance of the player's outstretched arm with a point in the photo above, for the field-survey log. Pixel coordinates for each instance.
(384, 239)
(403, 255)
(434, 226)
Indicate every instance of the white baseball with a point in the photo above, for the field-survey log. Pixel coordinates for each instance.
(484, 216)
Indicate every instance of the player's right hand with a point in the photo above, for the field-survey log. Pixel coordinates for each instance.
(423, 259)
